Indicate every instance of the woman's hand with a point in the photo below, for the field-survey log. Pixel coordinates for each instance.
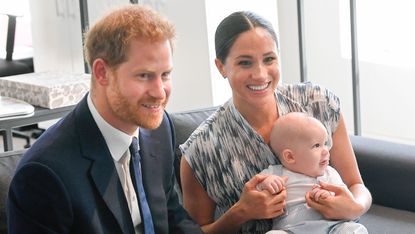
(254, 204)
(347, 203)
(340, 206)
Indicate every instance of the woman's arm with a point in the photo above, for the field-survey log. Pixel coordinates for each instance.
(253, 204)
(348, 203)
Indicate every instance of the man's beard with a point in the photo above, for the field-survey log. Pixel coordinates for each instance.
(130, 112)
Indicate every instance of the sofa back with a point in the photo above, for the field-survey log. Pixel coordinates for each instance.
(388, 171)
(8, 163)
(184, 124)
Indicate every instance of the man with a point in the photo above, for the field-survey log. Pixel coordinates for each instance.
(78, 177)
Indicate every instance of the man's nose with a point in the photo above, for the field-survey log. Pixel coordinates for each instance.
(157, 89)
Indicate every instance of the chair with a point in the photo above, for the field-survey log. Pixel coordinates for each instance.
(9, 67)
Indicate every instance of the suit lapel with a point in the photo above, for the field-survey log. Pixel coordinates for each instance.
(154, 143)
(149, 147)
(156, 149)
(103, 173)
(107, 182)
(148, 144)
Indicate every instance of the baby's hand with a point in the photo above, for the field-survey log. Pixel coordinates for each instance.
(318, 193)
(273, 184)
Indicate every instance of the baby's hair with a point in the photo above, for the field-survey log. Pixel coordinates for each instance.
(288, 127)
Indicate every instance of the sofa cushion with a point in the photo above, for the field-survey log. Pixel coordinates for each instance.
(8, 163)
(381, 219)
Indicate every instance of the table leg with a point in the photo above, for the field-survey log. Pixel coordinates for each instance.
(8, 139)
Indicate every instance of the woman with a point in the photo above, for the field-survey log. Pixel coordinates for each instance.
(223, 157)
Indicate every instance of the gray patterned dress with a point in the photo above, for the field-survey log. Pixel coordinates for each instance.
(225, 152)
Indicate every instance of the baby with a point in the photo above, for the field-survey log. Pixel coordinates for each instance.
(300, 142)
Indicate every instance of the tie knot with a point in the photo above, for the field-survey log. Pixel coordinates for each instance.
(134, 148)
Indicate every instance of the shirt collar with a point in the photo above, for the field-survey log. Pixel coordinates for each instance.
(117, 141)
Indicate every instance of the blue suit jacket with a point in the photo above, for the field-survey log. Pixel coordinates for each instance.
(67, 182)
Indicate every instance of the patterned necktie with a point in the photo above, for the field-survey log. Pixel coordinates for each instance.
(145, 210)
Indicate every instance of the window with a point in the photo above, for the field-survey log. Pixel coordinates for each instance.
(386, 49)
(386, 34)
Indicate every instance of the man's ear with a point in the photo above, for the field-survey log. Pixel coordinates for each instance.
(288, 156)
(220, 67)
(101, 70)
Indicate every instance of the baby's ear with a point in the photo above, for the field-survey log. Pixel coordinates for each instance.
(288, 156)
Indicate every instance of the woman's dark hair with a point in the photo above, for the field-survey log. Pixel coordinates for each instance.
(232, 26)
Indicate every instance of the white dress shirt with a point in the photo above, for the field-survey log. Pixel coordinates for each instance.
(118, 144)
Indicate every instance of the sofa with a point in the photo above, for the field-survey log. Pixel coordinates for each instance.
(8, 162)
(387, 168)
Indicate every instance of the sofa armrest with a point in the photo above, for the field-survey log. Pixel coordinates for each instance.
(388, 171)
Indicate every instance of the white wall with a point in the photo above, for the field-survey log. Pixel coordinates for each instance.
(56, 34)
(191, 73)
(97, 8)
(289, 47)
